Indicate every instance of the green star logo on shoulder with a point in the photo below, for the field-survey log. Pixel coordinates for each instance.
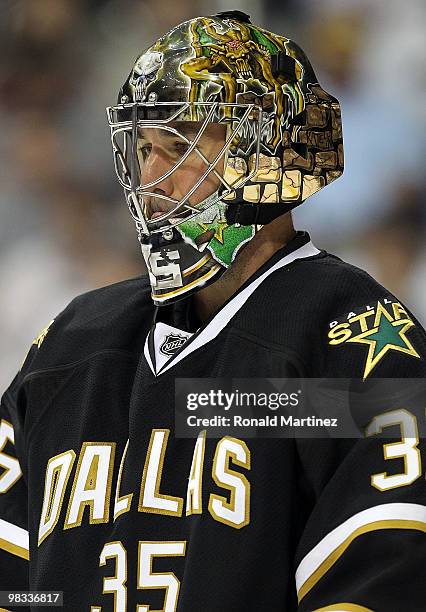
(385, 335)
(379, 329)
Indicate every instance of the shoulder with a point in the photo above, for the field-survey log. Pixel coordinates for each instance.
(108, 302)
(115, 317)
(333, 281)
(364, 329)
(339, 320)
(317, 288)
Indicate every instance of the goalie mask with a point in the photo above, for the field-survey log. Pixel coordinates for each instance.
(220, 128)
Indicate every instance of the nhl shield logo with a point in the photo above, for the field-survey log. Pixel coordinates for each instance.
(172, 343)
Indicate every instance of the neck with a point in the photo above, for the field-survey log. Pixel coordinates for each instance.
(252, 256)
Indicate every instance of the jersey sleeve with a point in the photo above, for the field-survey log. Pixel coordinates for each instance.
(14, 528)
(366, 332)
(364, 544)
(14, 540)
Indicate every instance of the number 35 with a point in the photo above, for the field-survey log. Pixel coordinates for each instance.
(146, 578)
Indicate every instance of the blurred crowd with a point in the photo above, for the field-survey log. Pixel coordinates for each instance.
(64, 226)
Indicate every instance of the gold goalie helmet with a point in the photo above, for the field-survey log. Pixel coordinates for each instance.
(220, 128)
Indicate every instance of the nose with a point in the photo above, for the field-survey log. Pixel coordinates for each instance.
(155, 167)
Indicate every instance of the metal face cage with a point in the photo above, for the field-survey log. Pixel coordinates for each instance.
(242, 124)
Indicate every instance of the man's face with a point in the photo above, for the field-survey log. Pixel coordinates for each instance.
(159, 150)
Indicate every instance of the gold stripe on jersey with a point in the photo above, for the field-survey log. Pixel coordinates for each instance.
(14, 549)
(344, 607)
(14, 539)
(338, 552)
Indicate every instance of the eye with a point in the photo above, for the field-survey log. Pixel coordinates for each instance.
(181, 147)
(145, 150)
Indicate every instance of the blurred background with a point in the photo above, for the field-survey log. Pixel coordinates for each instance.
(64, 226)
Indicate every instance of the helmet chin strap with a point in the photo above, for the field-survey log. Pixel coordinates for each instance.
(244, 213)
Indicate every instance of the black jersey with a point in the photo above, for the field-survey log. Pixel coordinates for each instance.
(99, 499)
